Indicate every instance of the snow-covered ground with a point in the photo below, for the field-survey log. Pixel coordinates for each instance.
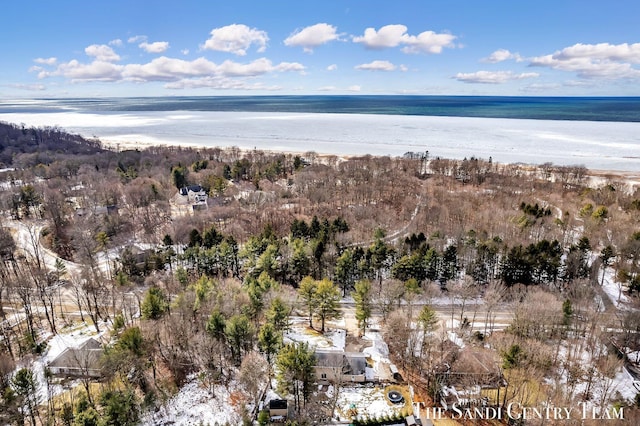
(367, 400)
(613, 290)
(333, 338)
(195, 405)
(71, 337)
(620, 385)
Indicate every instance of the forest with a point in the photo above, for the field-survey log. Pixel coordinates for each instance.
(420, 247)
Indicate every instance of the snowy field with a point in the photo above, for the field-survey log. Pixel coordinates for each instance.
(368, 401)
(195, 405)
(299, 332)
(596, 145)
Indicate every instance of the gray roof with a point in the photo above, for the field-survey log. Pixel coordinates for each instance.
(85, 357)
(352, 362)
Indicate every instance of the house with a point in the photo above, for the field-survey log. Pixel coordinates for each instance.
(195, 194)
(339, 366)
(81, 361)
(278, 410)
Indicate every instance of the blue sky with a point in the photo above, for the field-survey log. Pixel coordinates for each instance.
(80, 48)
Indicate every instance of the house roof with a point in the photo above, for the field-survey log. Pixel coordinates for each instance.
(191, 188)
(278, 404)
(351, 362)
(84, 357)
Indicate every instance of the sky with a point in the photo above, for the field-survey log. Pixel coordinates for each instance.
(81, 48)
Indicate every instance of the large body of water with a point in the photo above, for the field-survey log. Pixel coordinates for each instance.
(600, 133)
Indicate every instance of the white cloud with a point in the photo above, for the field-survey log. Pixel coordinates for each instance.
(327, 89)
(541, 87)
(332, 67)
(502, 55)
(168, 69)
(254, 68)
(290, 66)
(354, 88)
(428, 42)
(387, 36)
(313, 36)
(604, 51)
(46, 61)
(117, 42)
(102, 53)
(236, 39)
(578, 83)
(137, 39)
(376, 66)
(155, 47)
(95, 71)
(396, 35)
(218, 83)
(30, 87)
(404, 68)
(493, 77)
(185, 52)
(594, 61)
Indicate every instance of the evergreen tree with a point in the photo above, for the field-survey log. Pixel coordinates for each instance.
(154, 304)
(378, 254)
(269, 340)
(299, 265)
(239, 333)
(432, 263)
(216, 325)
(327, 301)
(362, 297)
(179, 176)
(295, 372)
(278, 315)
(410, 266)
(307, 292)
(345, 271)
(119, 408)
(25, 388)
(428, 319)
(449, 263)
(606, 255)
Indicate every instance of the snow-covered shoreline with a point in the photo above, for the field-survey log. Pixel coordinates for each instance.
(597, 145)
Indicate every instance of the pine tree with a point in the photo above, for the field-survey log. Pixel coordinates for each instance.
(327, 301)
(278, 315)
(25, 386)
(362, 296)
(239, 332)
(154, 304)
(606, 255)
(295, 372)
(269, 340)
(307, 292)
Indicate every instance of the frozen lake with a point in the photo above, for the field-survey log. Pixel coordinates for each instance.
(594, 144)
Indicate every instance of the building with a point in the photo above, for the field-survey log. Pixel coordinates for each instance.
(339, 366)
(195, 194)
(82, 361)
(278, 410)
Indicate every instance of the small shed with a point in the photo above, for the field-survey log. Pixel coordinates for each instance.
(395, 373)
(278, 409)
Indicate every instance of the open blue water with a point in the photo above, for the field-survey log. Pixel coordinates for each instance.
(617, 109)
